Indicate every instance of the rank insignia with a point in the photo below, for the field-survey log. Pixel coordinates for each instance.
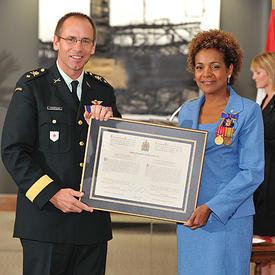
(98, 77)
(34, 73)
(57, 80)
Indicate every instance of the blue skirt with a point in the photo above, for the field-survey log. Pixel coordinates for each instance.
(216, 248)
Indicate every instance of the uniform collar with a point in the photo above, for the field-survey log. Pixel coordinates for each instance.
(67, 79)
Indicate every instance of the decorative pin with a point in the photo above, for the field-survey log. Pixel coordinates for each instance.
(18, 89)
(57, 80)
(88, 84)
(96, 102)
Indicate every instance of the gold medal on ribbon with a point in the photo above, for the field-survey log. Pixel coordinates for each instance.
(219, 140)
(219, 135)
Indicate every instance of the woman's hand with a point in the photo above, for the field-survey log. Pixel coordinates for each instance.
(199, 217)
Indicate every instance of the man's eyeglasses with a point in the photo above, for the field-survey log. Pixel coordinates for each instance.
(73, 41)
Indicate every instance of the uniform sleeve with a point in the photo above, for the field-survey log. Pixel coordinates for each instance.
(19, 143)
(251, 163)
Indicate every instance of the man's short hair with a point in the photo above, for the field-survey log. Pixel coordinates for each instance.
(74, 14)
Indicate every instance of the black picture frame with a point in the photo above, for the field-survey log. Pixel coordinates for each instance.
(125, 129)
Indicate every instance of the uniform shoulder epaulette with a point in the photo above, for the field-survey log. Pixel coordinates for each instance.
(98, 78)
(29, 76)
(34, 74)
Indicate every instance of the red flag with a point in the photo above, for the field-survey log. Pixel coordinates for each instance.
(269, 47)
(270, 40)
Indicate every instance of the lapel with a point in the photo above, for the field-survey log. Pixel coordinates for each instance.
(234, 105)
(196, 111)
(61, 89)
(87, 92)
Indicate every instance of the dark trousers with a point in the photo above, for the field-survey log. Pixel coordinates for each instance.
(41, 258)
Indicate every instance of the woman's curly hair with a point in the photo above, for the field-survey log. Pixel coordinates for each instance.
(222, 41)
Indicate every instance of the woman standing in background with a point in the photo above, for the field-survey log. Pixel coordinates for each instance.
(263, 68)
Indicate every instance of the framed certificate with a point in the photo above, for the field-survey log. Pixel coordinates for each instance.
(143, 169)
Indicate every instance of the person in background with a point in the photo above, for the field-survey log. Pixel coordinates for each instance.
(263, 68)
(217, 238)
(43, 145)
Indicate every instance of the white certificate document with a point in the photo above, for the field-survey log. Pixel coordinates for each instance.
(142, 169)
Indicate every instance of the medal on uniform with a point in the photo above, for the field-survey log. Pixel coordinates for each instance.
(225, 130)
(220, 135)
(228, 136)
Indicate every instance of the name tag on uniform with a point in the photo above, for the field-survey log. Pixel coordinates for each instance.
(54, 136)
(54, 108)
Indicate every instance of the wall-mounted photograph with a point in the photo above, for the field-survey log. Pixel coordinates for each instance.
(141, 48)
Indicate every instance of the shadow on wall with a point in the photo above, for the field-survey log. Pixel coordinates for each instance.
(8, 65)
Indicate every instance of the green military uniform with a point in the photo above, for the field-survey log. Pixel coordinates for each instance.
(43, 146)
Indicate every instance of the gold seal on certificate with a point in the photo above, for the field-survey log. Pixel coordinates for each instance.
(219, 140)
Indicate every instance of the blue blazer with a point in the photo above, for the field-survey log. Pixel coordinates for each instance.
(230, 173)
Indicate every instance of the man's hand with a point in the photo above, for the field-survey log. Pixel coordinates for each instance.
(66, 200)
(199, 217)
(99, 113)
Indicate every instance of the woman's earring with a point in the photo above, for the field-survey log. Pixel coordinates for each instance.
(228, 79)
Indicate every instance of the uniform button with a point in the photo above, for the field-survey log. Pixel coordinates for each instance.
(53, 121)
(81, 164)
(80, 122)
(81, 143)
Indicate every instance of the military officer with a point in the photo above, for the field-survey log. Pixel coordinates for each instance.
(43, 145)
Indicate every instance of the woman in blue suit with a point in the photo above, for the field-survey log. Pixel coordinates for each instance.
(216, 239)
